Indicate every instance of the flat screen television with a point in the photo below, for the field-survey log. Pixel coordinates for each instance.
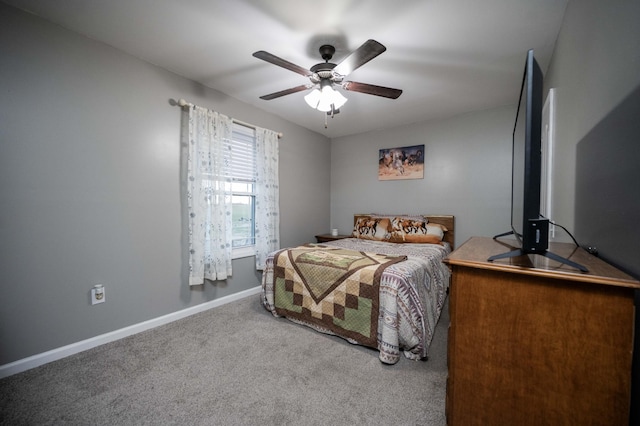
(527, 225)
(529, 228)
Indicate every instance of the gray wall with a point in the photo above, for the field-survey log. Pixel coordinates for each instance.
(595, 66)
(90, 173)
(596, 72)
(607, 191)
(467, 173)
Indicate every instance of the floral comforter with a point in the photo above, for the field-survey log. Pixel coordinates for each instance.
(412, 294)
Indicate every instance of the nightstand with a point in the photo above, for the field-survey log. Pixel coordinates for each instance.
(323, 238)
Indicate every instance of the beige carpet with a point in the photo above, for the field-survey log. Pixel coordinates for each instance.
(232, 365)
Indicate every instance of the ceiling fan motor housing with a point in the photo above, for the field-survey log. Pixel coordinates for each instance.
(327, 51)
(324, 71)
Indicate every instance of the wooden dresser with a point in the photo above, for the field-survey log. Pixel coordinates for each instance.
(535, 342)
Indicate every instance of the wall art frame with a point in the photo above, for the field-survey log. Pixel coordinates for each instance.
(401, 163)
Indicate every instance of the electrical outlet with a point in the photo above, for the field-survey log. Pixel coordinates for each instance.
(97, 294)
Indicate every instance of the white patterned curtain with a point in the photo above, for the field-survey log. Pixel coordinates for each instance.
(267, 212)
(209, 196)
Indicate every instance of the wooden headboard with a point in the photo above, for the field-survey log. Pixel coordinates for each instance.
(446, 220)
(449, 222)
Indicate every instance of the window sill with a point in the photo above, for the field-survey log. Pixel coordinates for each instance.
(243, 252)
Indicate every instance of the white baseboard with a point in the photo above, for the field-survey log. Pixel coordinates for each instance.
(74, 348)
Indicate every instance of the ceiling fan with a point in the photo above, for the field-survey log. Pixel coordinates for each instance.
(325, 75)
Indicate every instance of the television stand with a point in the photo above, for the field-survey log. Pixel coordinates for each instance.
(545, 253)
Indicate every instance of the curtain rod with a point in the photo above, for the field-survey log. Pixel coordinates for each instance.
(183, 103)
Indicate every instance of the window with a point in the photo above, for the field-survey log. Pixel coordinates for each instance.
(231, 197)
(243, 166)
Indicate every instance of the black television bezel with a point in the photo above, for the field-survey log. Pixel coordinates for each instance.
(533, 236)
(531, 230)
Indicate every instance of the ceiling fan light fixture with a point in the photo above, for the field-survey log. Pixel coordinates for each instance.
(313, 98)
(326, 99)
(322, 100)
(338, 99)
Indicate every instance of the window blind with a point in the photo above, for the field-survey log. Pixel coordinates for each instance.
(242, 153)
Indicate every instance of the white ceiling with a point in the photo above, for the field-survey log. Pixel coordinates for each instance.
(448, 56)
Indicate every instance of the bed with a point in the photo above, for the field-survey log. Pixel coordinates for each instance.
(384, 287)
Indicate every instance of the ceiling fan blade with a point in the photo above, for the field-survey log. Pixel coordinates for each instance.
(286, 92)
(363, 54)
(273, 59)
(371, 89)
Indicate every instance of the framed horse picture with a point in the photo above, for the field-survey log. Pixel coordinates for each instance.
(401, 163)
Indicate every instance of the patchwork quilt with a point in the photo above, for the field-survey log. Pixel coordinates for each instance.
(331, 287)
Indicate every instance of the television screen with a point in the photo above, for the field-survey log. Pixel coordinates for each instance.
(517, 171)
(529, 227)
(526, 223)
